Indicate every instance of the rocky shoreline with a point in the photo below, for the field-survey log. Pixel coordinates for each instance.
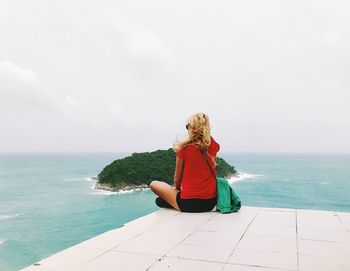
(109, 188)
(127, 188)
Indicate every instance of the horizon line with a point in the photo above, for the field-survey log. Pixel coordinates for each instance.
(127, 152)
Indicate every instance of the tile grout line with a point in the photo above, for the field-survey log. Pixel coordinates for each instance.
(165, 254)
(341, 222)
(234, 248)
(218, 262)
(194, 259)
(326, 241)
(297, 239)
(263, 267)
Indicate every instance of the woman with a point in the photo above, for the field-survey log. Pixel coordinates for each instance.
(194, 182)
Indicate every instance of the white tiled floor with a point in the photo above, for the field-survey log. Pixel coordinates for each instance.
(268, 243)
(285, 261)
(175, 264)
(254, 239)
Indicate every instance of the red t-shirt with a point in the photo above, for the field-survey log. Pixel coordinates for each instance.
(197, 179)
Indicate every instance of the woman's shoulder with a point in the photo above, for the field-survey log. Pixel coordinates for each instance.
(213, 141)
(214, 146)
(183, 150)
(189, 145)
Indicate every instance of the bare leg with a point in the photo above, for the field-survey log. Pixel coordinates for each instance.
(166, 192)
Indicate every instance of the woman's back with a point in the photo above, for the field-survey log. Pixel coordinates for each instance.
(198, 180)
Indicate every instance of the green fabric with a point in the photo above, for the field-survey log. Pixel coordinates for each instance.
(227, 199)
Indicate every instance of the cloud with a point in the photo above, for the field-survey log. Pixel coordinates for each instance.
(24, 95)
(9, 69)
(110, 37)
(128, 75)
(21, 90)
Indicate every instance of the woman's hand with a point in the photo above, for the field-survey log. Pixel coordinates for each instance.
(176, 188)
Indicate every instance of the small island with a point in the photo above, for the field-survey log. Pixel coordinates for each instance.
(140, 169)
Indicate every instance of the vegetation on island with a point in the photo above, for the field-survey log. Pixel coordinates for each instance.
(140, 169)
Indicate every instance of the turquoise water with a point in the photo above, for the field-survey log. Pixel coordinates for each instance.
(47, 204)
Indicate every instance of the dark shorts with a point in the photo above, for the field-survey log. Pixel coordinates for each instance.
(189, 205)
(195, 205)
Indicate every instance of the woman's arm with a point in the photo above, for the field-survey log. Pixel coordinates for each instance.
(178, 173)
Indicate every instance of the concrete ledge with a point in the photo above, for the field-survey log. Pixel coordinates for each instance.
(254, 239)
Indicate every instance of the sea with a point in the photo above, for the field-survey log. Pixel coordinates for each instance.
(48, 201)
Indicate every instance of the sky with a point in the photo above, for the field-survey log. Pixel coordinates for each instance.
(124, 76)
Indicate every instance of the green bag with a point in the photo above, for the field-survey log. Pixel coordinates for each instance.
(228, 200)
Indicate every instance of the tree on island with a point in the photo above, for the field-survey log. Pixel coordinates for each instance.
(141, 168)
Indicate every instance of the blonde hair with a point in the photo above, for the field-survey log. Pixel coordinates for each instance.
(198, 132)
